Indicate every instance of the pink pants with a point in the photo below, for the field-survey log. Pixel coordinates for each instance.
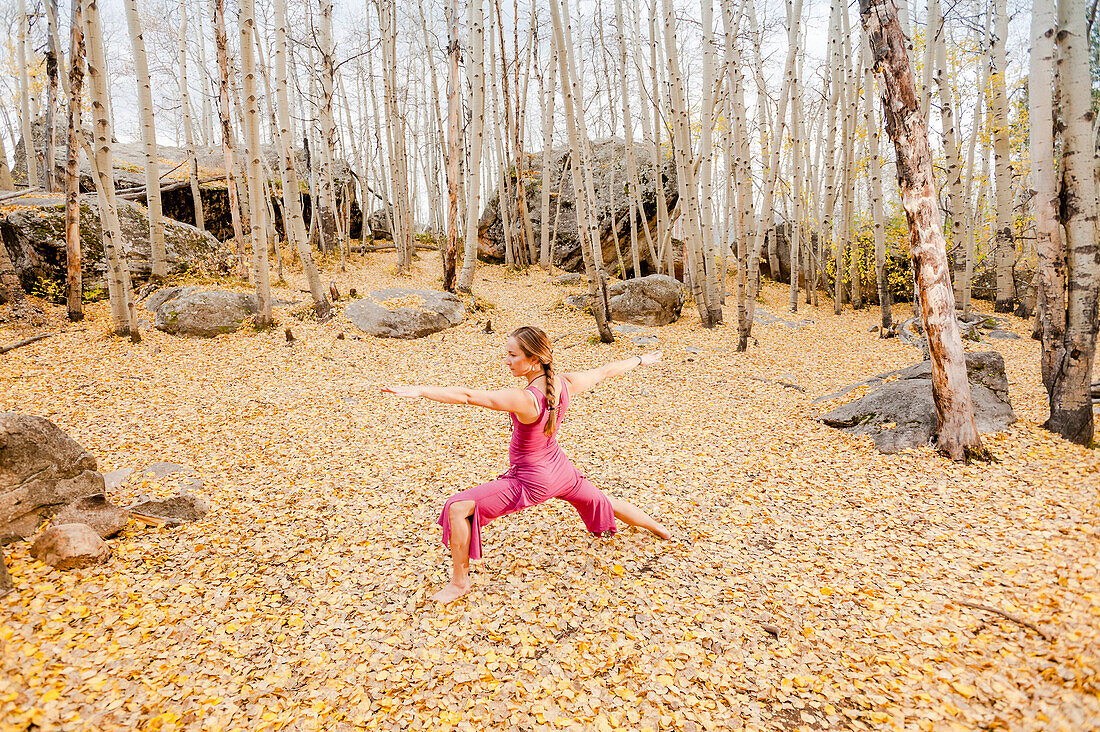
(508, 494)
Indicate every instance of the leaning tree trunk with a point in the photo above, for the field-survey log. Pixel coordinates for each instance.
(123, 313)
(596, 291)
(292, 197)
(260, 270)
(1071, 413)
(227, 136)
(958, 436)
(148, 142)
(73, 281)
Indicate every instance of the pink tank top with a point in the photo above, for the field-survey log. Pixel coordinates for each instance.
(530, 446)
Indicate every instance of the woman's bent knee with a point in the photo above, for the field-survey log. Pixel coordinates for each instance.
(460, 509)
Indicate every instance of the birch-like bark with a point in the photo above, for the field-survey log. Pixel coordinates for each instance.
(454, 57)
(958, 436)
(261, 273)
(53, 59)
(25, 95)
(794, 89)
(476, 141)
(1005, 251)
(148, 142)
(292, 188)
(1071, 413)
(325, 205)
(549, 97)
(573, 109)
(953, 159)
(73, 260)
(123, 313)
(874, 164)
(185, 111)
(1049, 247)
(227, 137)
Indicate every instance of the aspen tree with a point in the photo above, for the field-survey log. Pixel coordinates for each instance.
(1005, 251)
(957, 436)
(597, 292)
(29, 150)
(1071, 412)
(258, 211)
(148, 142)
(454, 57)
(73, 276)
(227, 136)
(476, 141)
(185, 111)
(952, 157)
(628, 138)
(6, 182)
(705, 191)
(123, 313)
(742, 172)
(53, 60)
(874, 182)
(292, 187)
(548, 93)
(325, 204)
(852, 73)
(795, 91)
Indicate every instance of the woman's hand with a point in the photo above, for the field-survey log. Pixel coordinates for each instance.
(648, 358)
(403, 391)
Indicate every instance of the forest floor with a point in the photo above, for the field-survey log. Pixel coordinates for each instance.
(300, 601)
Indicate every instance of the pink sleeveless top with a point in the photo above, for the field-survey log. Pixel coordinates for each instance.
(530, 447)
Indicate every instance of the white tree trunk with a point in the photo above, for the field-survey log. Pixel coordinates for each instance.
(261, 273)
(29, 149)
(148, 141)
(476, 140)
(1005, 253)
(185, 111)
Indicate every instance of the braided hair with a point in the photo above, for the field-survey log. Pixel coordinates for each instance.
(536, 344)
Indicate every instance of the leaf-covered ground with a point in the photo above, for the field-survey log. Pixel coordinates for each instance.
(300, 601)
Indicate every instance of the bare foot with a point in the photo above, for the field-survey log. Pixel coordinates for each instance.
(451, 592)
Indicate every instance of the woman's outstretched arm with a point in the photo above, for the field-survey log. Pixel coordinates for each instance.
(584, 380)
(517, 401)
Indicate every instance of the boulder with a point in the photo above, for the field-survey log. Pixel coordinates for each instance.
(32, 228)
(651, 300)
(205, 313)
(163, 295)
(900, 413)
(405, 313)
(70, 546)
(612, 204)
(569, 278)
(96, 511)
(378, 221)
(42, 470)
(182, 508)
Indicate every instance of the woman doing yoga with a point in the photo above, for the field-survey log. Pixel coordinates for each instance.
(539, 470)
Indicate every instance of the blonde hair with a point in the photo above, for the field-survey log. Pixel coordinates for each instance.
(536, 344)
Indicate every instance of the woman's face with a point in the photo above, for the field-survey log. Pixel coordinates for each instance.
(518, 362)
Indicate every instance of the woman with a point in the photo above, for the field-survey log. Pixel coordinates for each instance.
(539, 468)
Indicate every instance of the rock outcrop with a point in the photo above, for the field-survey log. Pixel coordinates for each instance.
(652, 300)
(612, 204)
(105, 518)
(32, 229)
(70, 546)
(900, 413)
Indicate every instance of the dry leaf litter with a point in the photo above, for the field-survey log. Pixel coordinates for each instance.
(299, 602)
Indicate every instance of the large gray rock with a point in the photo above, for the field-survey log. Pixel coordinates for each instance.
(96, 511)
(205, 313)
(405, 313)
(33, 231)
(612, 204)
(900, 413)
(42, 470)
(651, 300)
(378, 222)
(70, 546)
